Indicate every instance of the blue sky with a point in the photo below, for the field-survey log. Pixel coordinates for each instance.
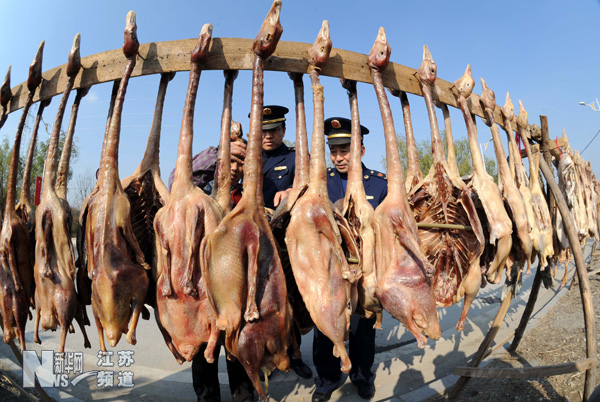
(546, 53)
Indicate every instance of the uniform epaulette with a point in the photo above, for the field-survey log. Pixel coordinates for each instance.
(379, 175)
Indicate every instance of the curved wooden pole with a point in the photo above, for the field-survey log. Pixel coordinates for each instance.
(533, 295)
(485, 345)
(584, 283)
(233, 54)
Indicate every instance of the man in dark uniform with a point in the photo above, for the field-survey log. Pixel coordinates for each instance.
(362, 333)
(279, 160)
(279, 167)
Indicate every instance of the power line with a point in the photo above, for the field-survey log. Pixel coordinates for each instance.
(581, 153)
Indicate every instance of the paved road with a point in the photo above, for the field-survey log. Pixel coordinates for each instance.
(404, 373)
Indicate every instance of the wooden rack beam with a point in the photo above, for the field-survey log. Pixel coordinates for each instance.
(233, 54)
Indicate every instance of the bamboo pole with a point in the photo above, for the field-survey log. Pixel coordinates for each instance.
(424, 225)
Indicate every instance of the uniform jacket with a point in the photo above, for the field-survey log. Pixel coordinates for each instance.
(375, 185)
(279, 167)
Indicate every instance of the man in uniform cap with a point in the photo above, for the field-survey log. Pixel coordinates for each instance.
(278, 159)
(362, 333)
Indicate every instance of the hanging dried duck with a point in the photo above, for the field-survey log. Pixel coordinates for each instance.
(513, 200)
(401, 267)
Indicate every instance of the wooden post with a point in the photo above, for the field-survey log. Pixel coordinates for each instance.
(584, 283)
(485, 345)
(533, 295)
(545, 149)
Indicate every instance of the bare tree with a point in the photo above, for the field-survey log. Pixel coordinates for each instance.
(82, 187)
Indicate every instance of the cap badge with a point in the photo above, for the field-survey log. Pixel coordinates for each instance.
(267, 111)
(335, 124)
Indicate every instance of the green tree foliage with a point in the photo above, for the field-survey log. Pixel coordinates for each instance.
(462, 151)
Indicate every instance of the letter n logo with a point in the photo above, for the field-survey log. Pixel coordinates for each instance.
(32, 368)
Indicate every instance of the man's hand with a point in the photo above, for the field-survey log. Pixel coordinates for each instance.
(280, 196)
(238, 150)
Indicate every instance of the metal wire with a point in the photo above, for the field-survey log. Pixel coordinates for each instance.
(581, 153)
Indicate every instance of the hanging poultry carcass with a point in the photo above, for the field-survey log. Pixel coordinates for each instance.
(358, 213)
(513, 200)
(5, 97)
(230, 131)
(54, 269)
(281, 217)
(413, 170)
(24, 208)
(184, 314)
(401, 267)
(443, 198)
(587, 192)
(16, 265)
(452, 164)
(84, 282)
(115, 262)
(487, 195)
(520, 177)
(146, 191)
(543, 245)
(313, 239)
(580, 194)
(570, 188)
(239, 259)
(594, 200)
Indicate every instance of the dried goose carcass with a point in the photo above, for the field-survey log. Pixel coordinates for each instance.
(513, 200)
(443, 198)
(324, 278)
(594, 200)
(485, 190)
(543, 245)
(569, 184)
(413, 170)
(520, 177)
(147, 193)
(5, 97)
(115, 261)
(358, 213)
(401, 267)
(588, 194)
(452, 164)
(16, 265)
(184, 316)
(239, 260)
(23, 208)
(281, 218)
(145, 189)
(84, 283)
(54, 270)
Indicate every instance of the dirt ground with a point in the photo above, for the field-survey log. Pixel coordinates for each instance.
(558, 338)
